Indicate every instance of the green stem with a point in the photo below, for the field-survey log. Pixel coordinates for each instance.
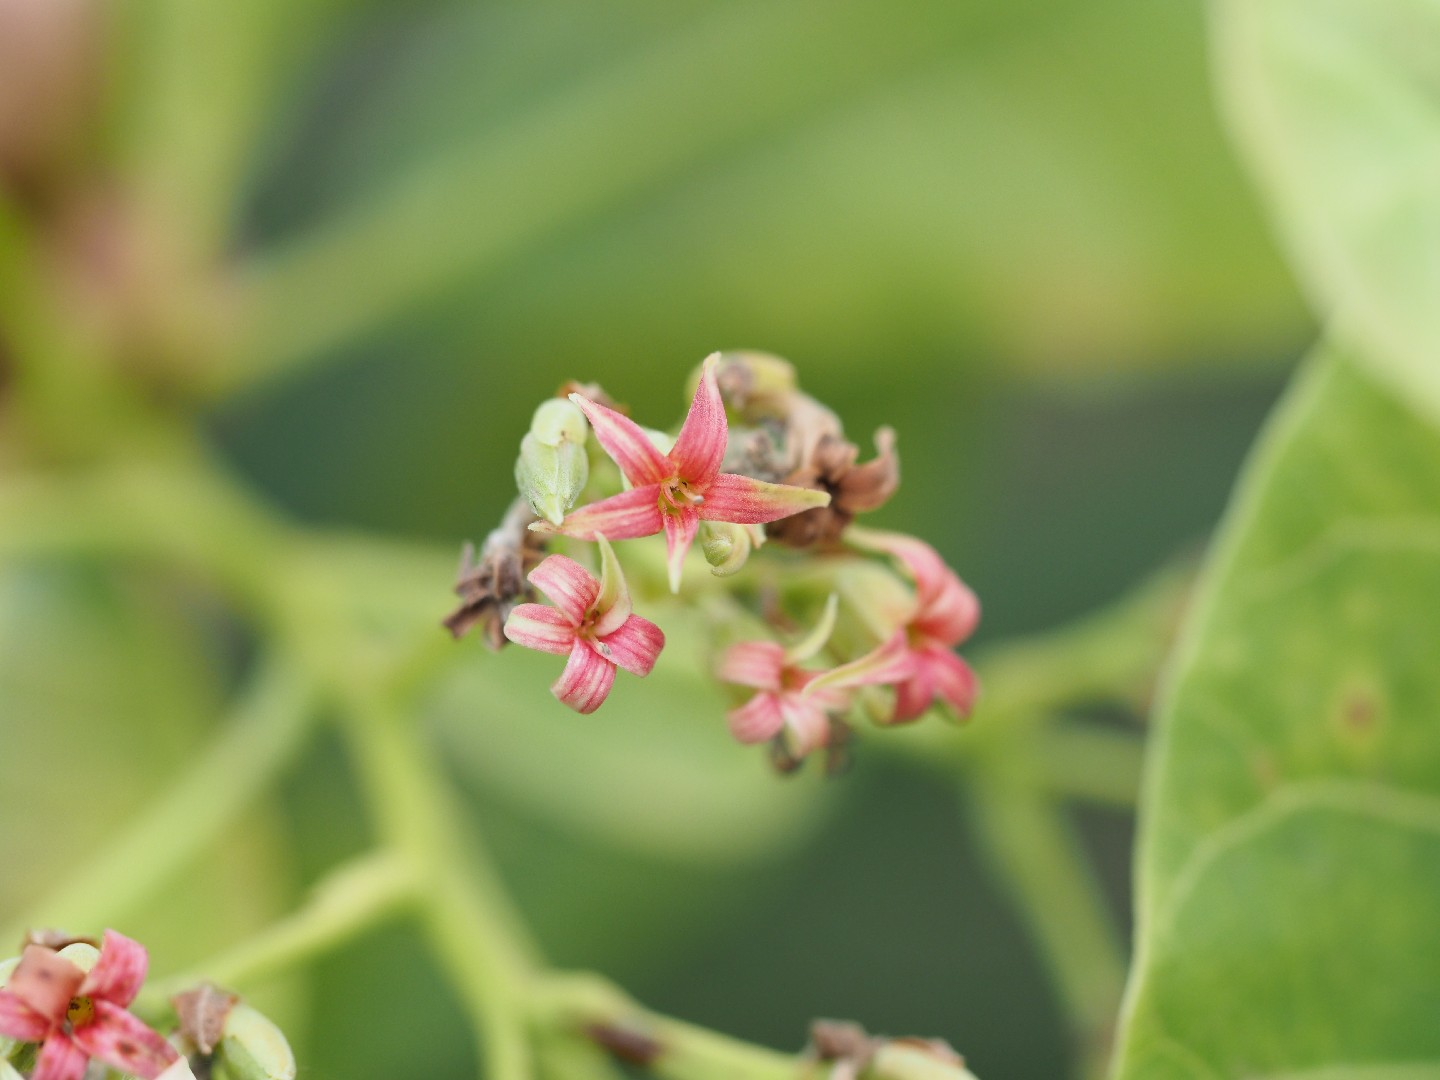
(474, 933)
(590, 1007)
(350, 900)
(1037, 855)
(263, 734)
(1089, 763)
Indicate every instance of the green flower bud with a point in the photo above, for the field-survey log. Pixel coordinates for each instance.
(80, 954)
(553, 468)
(252, 1048)
(726, 546)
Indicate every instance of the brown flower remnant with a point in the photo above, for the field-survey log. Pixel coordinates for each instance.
(202, 1013)
(854, 489)
(491, 586)
(849, 1050)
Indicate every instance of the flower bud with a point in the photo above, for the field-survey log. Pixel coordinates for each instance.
(755, 384)
(552, 468)
(252, 1048)
(726, 546)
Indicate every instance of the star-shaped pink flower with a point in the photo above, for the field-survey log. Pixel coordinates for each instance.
(945, 613)
(591, 622)
(78, 1016)
(799, 701)
(674, 492)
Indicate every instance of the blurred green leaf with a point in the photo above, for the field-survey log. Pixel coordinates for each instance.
(1337, 105)
(1289, 867)
(745, 165)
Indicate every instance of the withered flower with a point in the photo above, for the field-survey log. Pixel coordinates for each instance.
(854, 489)
(491, 585)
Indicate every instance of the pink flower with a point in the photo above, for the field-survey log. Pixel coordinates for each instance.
(678, 490)
(945, 613)
(78, 1016)
(798, 701)
(591, 622)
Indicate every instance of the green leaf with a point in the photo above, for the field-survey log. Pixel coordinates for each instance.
(1289, 868)
(1337, 104)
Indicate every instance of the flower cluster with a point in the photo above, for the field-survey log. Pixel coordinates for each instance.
(885, 612)
(65, 1011)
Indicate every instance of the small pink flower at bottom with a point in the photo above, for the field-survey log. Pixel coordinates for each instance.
(945, 613)
(79, 1015)
(796, 701)
(591, 622)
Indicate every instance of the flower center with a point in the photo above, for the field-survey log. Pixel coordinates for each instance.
(80, 1011)
(675, 496)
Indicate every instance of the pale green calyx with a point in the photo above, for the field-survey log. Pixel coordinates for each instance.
(726, 546)
(252, 1048)
(552, 468)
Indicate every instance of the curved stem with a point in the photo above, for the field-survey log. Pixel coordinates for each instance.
(264, 732)
(474, 933)
(350, 900)
(1035, 853)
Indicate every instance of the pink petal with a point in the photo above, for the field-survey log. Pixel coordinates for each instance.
(624, 441)
(45, 981)
(613, 605)
(758, 720)
(570, 587)
(921, 561)
(951, 615)
(60, 1059)
(586, 680)
(635, 646)
(700, 446)
(753, 663)
(890, 662)
(680, 528)
(742, 500)
(19, 1021)
(120, 971)
(124, 1042)
(620, 517)
(539, 627)
(914, 696)
(807, 727)
(954, 680)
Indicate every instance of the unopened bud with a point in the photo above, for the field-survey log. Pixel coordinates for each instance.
(755, 384)
(726, 546)
(252, 1048)
(552, 468)
(82, 954)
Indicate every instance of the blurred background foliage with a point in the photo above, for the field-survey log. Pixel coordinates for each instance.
(358, 241)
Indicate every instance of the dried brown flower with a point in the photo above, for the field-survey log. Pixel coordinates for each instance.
(854, 489)
(491, 585)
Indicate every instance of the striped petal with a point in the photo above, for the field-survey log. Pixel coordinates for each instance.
(891, 662)
(914, 696)
(586, 680)
(45, 981)
(680, 528)
(635, 646)
(539, 627)
(807, 727)
(60, 1059)
(700, 446)
(954, 680)
(120, 971)
(626, 442)
(758, 720)
(19, 1021)
(124, 1042)
(753, 663)
(743, 500)
(569, 586)
(620, 517)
